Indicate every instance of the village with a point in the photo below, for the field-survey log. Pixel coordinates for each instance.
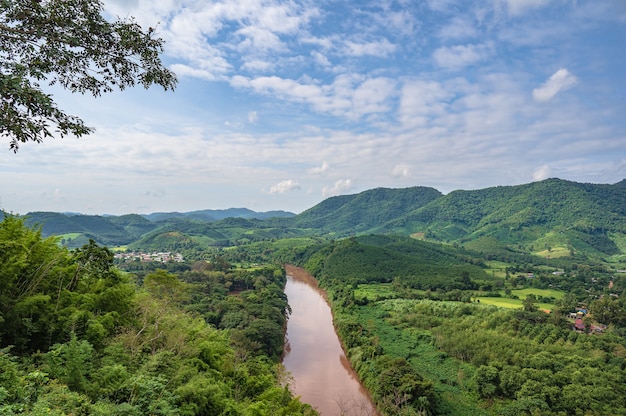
(161, 257)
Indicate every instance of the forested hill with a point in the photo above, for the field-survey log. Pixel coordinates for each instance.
(125, 229)
(350, 214)
(547, 214)
(551, 218)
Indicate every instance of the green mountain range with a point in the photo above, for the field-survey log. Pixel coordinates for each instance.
(551, 218)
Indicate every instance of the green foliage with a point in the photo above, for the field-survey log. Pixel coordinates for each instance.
(353, 214)
(110, 348)
(555, 220)
(413, 263)
(71, 44)
(476, 356)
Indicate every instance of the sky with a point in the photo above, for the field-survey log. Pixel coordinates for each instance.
(283, 103)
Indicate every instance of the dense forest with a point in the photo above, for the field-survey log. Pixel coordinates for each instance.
(78, 336)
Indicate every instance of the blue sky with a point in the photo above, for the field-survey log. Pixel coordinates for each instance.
(281, 104)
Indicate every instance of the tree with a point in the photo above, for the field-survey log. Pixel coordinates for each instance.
(530, 303)
(69, 43)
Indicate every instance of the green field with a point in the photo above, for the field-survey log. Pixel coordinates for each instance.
(69, 236)
(500, 302)
(548, 293)
(496, 268)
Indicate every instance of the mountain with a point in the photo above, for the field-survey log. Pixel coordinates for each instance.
(218, 214)
(548, 213)
(354, 214)
(551, 218)
(77, 229)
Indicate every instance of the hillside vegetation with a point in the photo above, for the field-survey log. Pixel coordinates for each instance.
(415, 306)
(551, 218)
(80, 337)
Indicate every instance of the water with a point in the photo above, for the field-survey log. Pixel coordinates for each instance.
(321, 374)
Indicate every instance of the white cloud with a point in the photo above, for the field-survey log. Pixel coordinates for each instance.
(253, 117)
(401, 170)
(380, 48)
(519, 7)
(561, 80)
(182, 70)
(460, 56)
(320, 169)
(349, 95)
(285, 186)
(541, 173)
(320, 59)
(257, 65)
(441, 5)
(372, 96)
(340, 186)
(421, 101)
(401, 22)
(458, 28)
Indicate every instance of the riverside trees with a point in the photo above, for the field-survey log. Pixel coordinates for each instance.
(69, 43)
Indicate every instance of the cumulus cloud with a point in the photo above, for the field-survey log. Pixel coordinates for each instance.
(340, 186)
(541, 173)
(458, 57)
(285, 186)
(320, 169)
(320, 59)
(561, 80)
(401, 170)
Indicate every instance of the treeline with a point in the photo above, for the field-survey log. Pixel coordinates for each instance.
(78, 336)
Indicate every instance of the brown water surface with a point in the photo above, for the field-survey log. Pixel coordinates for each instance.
(321, 374)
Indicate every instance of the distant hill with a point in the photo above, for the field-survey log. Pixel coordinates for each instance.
(551, 218)
(77, 229)
(218, 214)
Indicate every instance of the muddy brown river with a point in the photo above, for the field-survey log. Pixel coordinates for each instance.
(320, 372)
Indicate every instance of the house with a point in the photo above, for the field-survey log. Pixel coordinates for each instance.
(579, 325)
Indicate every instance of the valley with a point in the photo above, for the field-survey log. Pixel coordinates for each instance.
(502, 301)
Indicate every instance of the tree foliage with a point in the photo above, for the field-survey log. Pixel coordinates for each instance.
(77, 336)
(69, 43)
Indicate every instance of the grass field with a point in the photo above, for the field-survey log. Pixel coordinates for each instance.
(554, 253)
(512, 303)
(549, 293)
(496, 268)
(69, 235)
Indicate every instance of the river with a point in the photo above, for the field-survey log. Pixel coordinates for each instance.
(321, 374)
